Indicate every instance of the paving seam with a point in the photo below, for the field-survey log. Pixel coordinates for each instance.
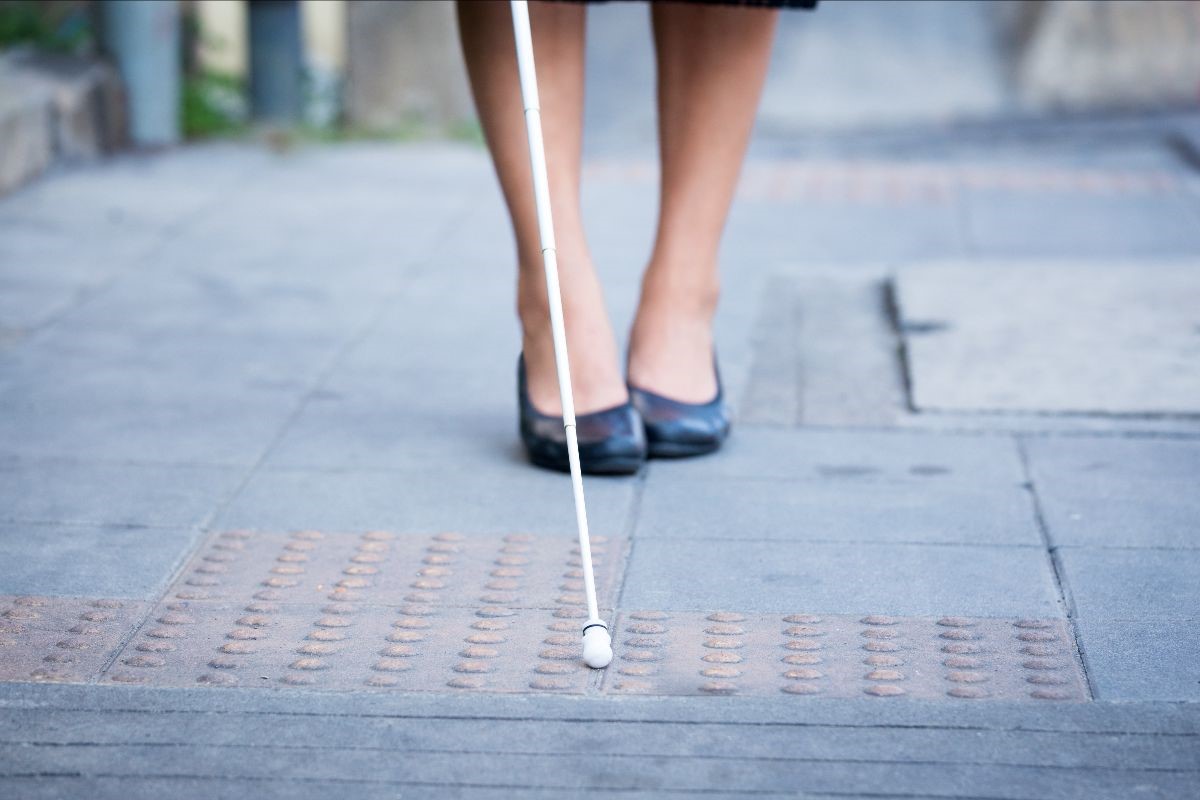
(630, 534)
(876, 542)
(606, 755)
(1065, 598)
(1018, 729)
(82, 523)
(925, 423)
(573, 789)
(161, 588)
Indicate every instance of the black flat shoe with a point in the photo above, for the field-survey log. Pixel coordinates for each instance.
(679, 430)
(611, 442)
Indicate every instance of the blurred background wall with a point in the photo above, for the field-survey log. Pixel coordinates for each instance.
(389, 68)
(852, 63)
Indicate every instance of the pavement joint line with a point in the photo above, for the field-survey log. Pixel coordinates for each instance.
(1107, 546)
(629, 531)
(607, 754)
(48, 522)
(876, 542)
(891, 306)
(1065, 598)
(608, 720)
(159, 587)
(90, 460)
(572, 788)
(915, 424)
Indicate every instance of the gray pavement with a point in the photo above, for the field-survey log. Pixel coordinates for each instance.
(257, 429)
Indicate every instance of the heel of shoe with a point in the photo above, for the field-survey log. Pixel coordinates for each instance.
(675, 429)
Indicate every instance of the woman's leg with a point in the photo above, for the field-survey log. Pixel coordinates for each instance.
(485, 29)
(712, 62)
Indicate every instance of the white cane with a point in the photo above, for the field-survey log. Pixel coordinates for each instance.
(597, 643)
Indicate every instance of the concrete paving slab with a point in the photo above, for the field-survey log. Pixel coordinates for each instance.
(89, 560)
(1142, 659)
(821, 714)
(1105, 223)
(29, 302)
(459, 418)
(1056, 460)
(114, 416)
(1044, 337)
(1132, 584)
(1117, 492)
(380, 786)
(778, 576)
(856, 456)
(831, 230)
(961, 422)
(598, 772)
(506, 495)
(126, 788)
(825, 353)
(540, 729)
(112, 493)
(1149, 741)
(136, 191)
(833, 510)
(337, 432)
(49, 267)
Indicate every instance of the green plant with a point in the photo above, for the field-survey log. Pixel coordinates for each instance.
(213, 105)
(58, 26)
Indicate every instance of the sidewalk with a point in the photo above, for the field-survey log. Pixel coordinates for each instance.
(265, 525)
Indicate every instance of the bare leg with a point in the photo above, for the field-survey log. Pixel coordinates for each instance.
(712, 63)
(485, 29)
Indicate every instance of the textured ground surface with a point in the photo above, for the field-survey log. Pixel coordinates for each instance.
(265, 527)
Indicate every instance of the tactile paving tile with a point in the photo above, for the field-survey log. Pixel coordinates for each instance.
(382, 568)
(843, 656)
(449, 613)
(62, 639)
(330, 610)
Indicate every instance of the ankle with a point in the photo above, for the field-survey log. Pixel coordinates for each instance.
(680, 294)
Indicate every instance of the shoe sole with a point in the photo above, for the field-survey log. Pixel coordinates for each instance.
(681, 449)
(617, 465)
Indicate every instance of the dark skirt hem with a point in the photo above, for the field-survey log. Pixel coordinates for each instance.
(793, 4)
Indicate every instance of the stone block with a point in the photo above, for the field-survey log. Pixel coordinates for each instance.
(676, 574)
(1046, 337)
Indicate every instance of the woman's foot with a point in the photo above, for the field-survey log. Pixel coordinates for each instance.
(673, 380)
(611, 441)
(596, 380)
(671, 343)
